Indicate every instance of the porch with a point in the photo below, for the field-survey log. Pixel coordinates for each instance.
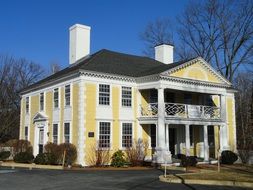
(184, 122)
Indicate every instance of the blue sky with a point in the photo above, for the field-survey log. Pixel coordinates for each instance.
(38, 29)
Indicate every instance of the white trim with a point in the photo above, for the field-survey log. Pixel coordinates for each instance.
(110, 98)
(81, 125)
(58, 132)
(120, 133)
(120, 98)
(111, 133)
(70, 131)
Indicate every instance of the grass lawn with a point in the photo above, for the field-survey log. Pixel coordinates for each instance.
(228, 173)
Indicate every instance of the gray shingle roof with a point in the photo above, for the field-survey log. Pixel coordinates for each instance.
(110, 62)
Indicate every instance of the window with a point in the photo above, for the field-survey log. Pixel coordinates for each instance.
(66, 132)
(41, 101)
(55, 133)
(210, 135)
(104, 94)
(104, 134)
(153, 135)
(126, 96)
(191, 135)
(27, 104)
(127, 135)
(67, 95)
(26, 132)
(56, 98)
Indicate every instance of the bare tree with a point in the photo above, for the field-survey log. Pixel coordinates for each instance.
(54, 67)
(221, 31)
(155, 33)
(15, 74)
(244, 110)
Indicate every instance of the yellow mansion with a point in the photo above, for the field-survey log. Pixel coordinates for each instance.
(113, 98)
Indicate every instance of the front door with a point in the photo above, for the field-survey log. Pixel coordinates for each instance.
(172, 140)
(41, 140)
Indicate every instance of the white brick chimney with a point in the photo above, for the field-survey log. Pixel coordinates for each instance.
(79, 42)
(164, 53)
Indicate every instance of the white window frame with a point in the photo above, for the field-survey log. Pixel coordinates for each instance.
(110, 95)
(121, 134)
(53, 135)
(42, 93)
(70, 90)
(111, 134)
(121, 98)
(70, 131)
(58, 98)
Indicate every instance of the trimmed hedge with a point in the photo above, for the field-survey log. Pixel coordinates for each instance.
(24, 157)
(46, 159)
(4, 155)
(228, 157)
(118, 159)
(188, 161)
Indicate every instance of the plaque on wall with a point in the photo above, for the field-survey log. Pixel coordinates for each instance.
(91, 134)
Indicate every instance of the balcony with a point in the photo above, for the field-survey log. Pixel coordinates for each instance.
(182, 111)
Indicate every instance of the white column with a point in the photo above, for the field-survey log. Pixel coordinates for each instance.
(206, 147)
(223, 107)
(162, 151)
(187, 140)
(81, 129)
(223, 138)
(161, 118)
(167, 135)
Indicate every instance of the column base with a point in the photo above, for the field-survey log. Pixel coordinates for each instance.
(161, 156)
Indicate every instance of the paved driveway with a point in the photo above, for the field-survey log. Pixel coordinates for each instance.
(68, 180)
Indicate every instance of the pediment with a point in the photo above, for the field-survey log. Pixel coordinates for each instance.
(197, 69)
(39, 116)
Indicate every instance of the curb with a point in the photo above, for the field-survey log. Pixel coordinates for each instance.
(30, 166)
(207, 182)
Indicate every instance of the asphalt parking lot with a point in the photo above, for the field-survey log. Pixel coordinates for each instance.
(21, 179)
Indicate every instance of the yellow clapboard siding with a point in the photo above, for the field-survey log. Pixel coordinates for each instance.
(196, 71)
(115, 113)
(33, 110)
(49, 112)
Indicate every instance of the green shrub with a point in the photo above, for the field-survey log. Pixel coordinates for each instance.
(228, 157)
(71, 153)
(45, 159)
(118, 159)
(23, 157)
(4, 155)
(188, 161)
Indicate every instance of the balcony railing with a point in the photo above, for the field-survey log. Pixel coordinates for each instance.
(175, 110)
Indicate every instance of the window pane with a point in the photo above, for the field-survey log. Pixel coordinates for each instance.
(126, 96)
(104, 134)
(41, 101)
(56, 98)
(26, 133)
(127, 135)
(27, 104)
(66, 132)
(67, 95)
(55, 133)
(104, 94)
